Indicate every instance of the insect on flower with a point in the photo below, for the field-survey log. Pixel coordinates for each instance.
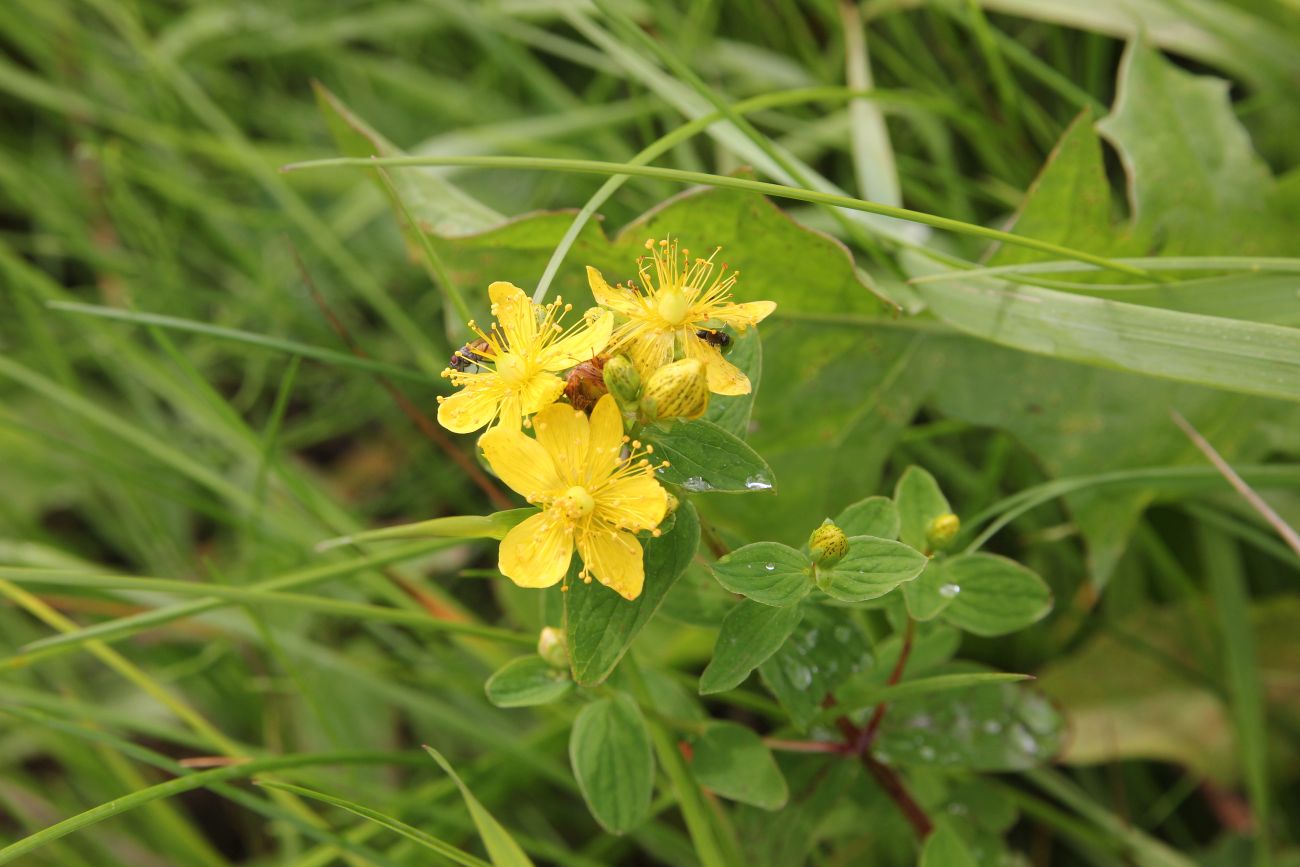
(671, 314)
(592, 497)
(517, 360)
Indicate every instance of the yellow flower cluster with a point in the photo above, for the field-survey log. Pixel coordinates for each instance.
(594, 485)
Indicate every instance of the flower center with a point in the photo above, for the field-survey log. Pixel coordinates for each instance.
(512, 369)
(673, 305)
(576, 503)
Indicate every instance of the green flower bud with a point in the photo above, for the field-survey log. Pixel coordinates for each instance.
(828, 544)
(553, 646)
(622, 380)
(942, 530)
(676, 390)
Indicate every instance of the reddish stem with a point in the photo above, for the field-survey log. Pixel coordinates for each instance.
(897, 792)
(868, 735)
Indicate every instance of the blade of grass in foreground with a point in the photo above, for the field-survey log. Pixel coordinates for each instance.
(502, 849)
(117, 806)
(599, 167)
(397, 826)
(252, 596)
(114, 630)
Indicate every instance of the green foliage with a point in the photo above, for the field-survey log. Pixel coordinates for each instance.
(527, 681)
(612, 762)
(732, 761)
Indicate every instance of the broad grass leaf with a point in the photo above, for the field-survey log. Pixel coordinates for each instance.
(502, 849)
(734, 762)
(525, 682)
(766, 572)
(609, 748)
(601, 624)
(751, 632)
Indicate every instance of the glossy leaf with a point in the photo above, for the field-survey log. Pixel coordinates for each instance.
(527, 681)
(704, 457)
(610, 751)
(750, 633)
(766, 572)
(601, 624)
(872, 568)
(992, 595)
(734, 762)
(826, 648)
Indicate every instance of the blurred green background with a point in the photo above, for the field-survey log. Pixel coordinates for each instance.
(179, 396)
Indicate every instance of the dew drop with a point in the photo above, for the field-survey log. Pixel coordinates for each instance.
(926, 753)
(992, 726)
(801, 678)
(697, 485)
(758, 482)
(948, 591)
(769, 567)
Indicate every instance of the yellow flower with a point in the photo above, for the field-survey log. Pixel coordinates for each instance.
(590, 496)
(518, 359)
(673, 312)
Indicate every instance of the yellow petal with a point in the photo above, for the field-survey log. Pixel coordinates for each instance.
(613, 558)
(536, 553)
(514, 310)
(521, 462)
(606, 440)
(634, 502)
(724, 377)
(650, 350)
(619, 300)
(563, 432)
(585, 343)
(741, 316)
(540, 391)
(474, 406)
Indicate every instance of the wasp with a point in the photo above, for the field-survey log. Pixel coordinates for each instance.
(467, 355)
(719, 340)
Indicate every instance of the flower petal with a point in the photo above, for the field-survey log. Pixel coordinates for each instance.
(536, 553)
(605, 441)
(521, 462)
(650, 350)
(540, 391)
(563, 432)
(474, 406)
(742, 316)
(724, 377)
(633, 502)
(514, 310)
(585, 343)
(618, 300)
(613, 558)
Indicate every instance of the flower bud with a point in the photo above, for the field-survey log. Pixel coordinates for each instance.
(828, 544)
(676, 390)
(622, 380)
(942, 530)
(553, 646)
(673, 503)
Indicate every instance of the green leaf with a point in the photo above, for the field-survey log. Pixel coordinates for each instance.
(825, 649)
(525, 682)
(703, 457)
(502, 849)
(609, 749)
(945, 848)
(601, 624)
(751, 632)
(993, 595)
(929, 594)
(870, 569)
(766, 572)
(734, 762)
(428, 841)
(493, 526)
(990, 727)
(919, 502)
(862, 695)
(732, 412)
(697, 599)
(874, 516)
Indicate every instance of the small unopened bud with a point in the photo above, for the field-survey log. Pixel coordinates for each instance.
(673, 502)
(942, 530)
(622, 380)
(828, 544)
(553, 646)
(676, 390)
